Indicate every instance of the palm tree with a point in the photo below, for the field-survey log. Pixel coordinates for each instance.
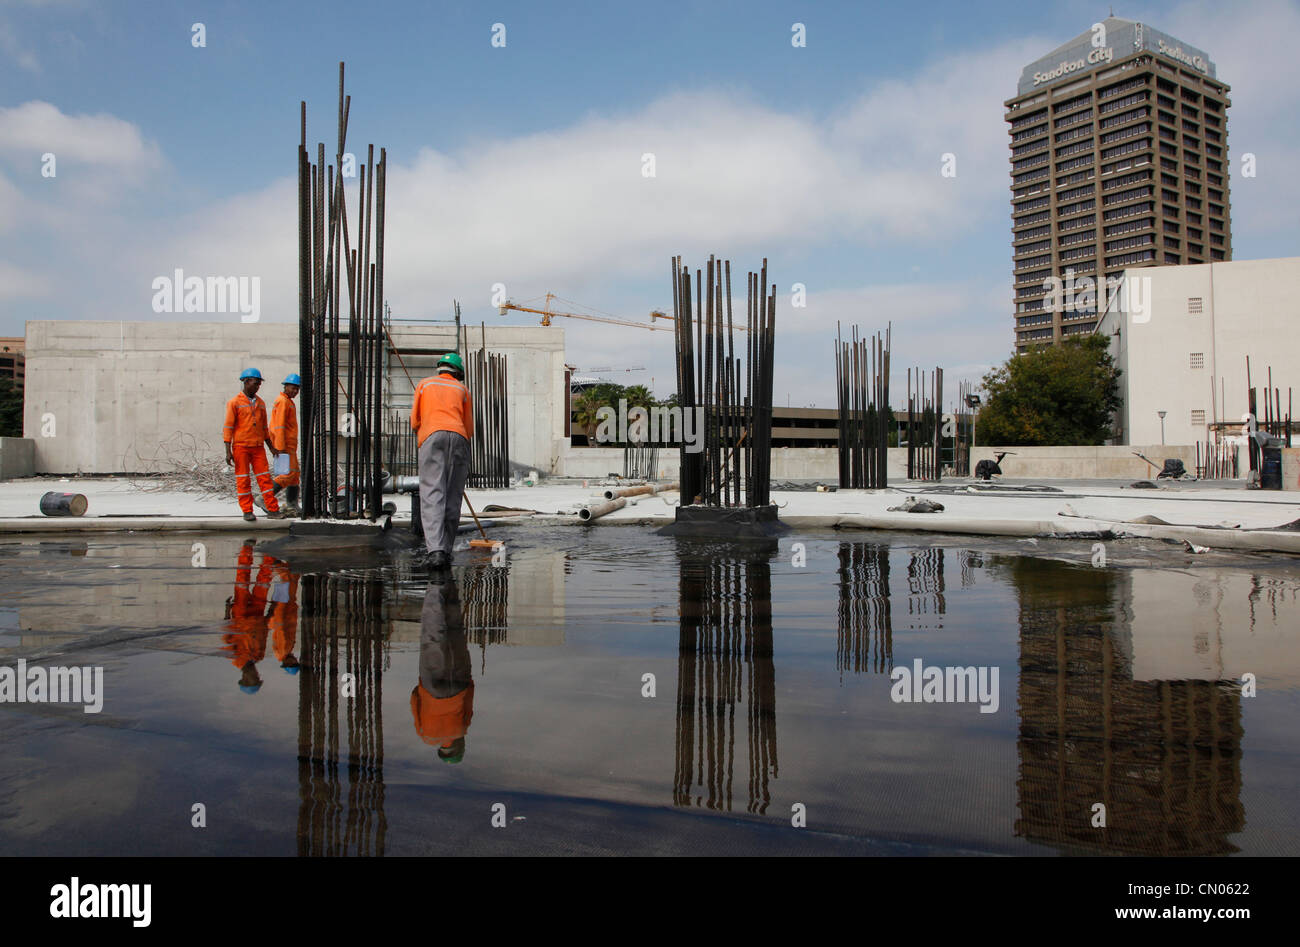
(584, 410)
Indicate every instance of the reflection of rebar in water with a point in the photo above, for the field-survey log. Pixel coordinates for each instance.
(1163, 757)
(342, 623)
(970, 562)
(485, 597)
(866, 637)
(925, 582)
(726, 622)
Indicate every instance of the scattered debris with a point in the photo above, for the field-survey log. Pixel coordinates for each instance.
(1143, 485)
(915, 505)
(1192, 547)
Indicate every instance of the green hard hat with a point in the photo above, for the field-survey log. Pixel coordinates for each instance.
(452, 359)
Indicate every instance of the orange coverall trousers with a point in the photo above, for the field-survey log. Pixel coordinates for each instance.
(252, 457)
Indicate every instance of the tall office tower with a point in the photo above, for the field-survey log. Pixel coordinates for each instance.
(1119, 144)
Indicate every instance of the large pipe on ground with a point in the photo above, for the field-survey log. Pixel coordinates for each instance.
(594, 511)
(650, 488)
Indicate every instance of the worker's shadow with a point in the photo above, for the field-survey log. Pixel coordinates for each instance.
(442, 701)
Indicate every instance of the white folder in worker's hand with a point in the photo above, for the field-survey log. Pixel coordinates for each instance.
(281, 466)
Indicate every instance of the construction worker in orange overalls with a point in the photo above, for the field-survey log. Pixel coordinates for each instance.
(245, 433)
(442, 414)
(442, 701)
(284, 616)
(284, 437)
(245, 642)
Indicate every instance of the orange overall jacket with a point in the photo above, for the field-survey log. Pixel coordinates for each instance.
(442, 404)
(245, 421)
(284, 425)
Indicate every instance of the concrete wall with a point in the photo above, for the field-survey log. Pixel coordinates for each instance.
(1291, 468)
(102, 396)
(17, 457)
(1247, 309)
(788, 463)
(1113, 463)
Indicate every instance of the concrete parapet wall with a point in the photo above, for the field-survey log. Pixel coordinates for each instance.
(17, 457)
(1071, 463)
(1291, 468)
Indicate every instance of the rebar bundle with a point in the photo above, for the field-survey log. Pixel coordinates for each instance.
(862, 387)
(963, 430)
(343, 632)
(485, 376)
(924, 425)
(866, 636)
(640, 462)
(725, 656)
(341, 434)
(732, 396)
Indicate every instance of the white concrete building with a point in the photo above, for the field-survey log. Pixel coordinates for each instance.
(1181, 336)
(102, 395)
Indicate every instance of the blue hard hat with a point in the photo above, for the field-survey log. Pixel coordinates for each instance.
(250, 688)
(292, 670)
(250, 373)
(293, 378)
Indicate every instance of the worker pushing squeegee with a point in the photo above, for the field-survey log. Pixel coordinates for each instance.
(442, 415)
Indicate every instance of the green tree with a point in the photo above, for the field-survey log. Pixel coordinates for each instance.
(1057, 395)
(638, 396)
(11, 409)
(585, 407)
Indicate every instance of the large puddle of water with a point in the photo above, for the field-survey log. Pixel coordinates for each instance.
(609, 690)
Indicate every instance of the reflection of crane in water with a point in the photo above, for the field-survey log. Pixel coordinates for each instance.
(726, 628)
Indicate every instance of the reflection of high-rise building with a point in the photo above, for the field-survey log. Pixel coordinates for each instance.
(724, 658)
(1162, 756)
(1119, 144)
(343, 630)
(926, 586)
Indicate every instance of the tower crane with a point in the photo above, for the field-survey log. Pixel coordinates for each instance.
(548, 313)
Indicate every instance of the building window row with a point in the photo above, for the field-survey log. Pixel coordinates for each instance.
(1035, 232)
(1033, 276)
(1032, 219)
(1030, 205)
(1024, 120)
(1125, 133)
(1071, 119)
(1114, 105)
(1090, 250)
(1075, 208)
(1076, 223)
(1029, 148)
(1073, 103)
(1142, 240)
(1082, 236)
(1125, 180)
(1029, 133)
(1125, 163)
(1085, 191)
(1129, 226)
(1074, 149)
(1129, 195)
(1030, 162)
(1120, 213)
(1126, 117)
(1036, 320)
(1128, 148)
(1031, 176)
(1111, 91)
(1075, 163)
(1074, 133)
(1033, 247)
(1035, 334)
(1128, 259)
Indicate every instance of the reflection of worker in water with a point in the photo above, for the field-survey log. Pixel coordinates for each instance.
(246, 615)
(442, 702)
(283, 619)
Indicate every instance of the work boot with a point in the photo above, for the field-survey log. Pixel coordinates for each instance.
(277, 515)
(250, 518)
(438, 560)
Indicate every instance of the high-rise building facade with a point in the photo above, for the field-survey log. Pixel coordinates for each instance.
(1119, 159)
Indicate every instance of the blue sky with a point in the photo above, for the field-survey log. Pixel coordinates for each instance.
(522, 164)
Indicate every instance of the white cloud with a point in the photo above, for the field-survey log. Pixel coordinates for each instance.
(13, 49)
(34, 128)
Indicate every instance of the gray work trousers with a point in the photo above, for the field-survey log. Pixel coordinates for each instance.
(444, 466)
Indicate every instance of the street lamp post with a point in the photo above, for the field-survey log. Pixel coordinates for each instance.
(1162, 426)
